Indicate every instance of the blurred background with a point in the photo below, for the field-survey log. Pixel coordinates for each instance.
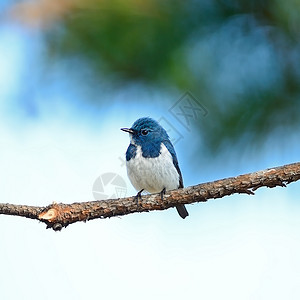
(221, 76)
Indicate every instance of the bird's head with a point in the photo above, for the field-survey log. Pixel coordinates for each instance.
(146, 131)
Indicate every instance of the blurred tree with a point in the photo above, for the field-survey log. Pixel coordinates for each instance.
(239, 57)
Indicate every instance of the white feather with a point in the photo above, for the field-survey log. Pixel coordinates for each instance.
(153, 174)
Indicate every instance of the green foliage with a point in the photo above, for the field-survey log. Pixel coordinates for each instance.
(135, 40)
(155, 41)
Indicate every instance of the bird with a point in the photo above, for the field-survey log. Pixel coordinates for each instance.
(151, 160)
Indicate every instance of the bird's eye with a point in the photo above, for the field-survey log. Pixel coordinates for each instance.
(144, 132)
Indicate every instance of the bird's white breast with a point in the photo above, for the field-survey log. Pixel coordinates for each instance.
(153, 174)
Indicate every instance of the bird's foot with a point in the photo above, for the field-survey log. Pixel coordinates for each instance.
(137, 197)
(162, 194)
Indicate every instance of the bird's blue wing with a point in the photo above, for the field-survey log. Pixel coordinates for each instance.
(171, 149)
(131, 152)
(180, 208)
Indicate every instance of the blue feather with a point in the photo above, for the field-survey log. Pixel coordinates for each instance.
(131, 152)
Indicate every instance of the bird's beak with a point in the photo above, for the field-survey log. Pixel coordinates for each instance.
(129, 130)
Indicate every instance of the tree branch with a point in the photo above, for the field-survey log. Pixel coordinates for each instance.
(59, 215)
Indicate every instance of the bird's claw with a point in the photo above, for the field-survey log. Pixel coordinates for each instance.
(162, 194)
(137, 197)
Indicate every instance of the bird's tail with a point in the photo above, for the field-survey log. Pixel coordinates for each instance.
(182, 211)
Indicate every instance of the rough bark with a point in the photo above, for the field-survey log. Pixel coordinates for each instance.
(59, 215)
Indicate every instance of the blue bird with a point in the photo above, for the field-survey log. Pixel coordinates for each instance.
(151, 160)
